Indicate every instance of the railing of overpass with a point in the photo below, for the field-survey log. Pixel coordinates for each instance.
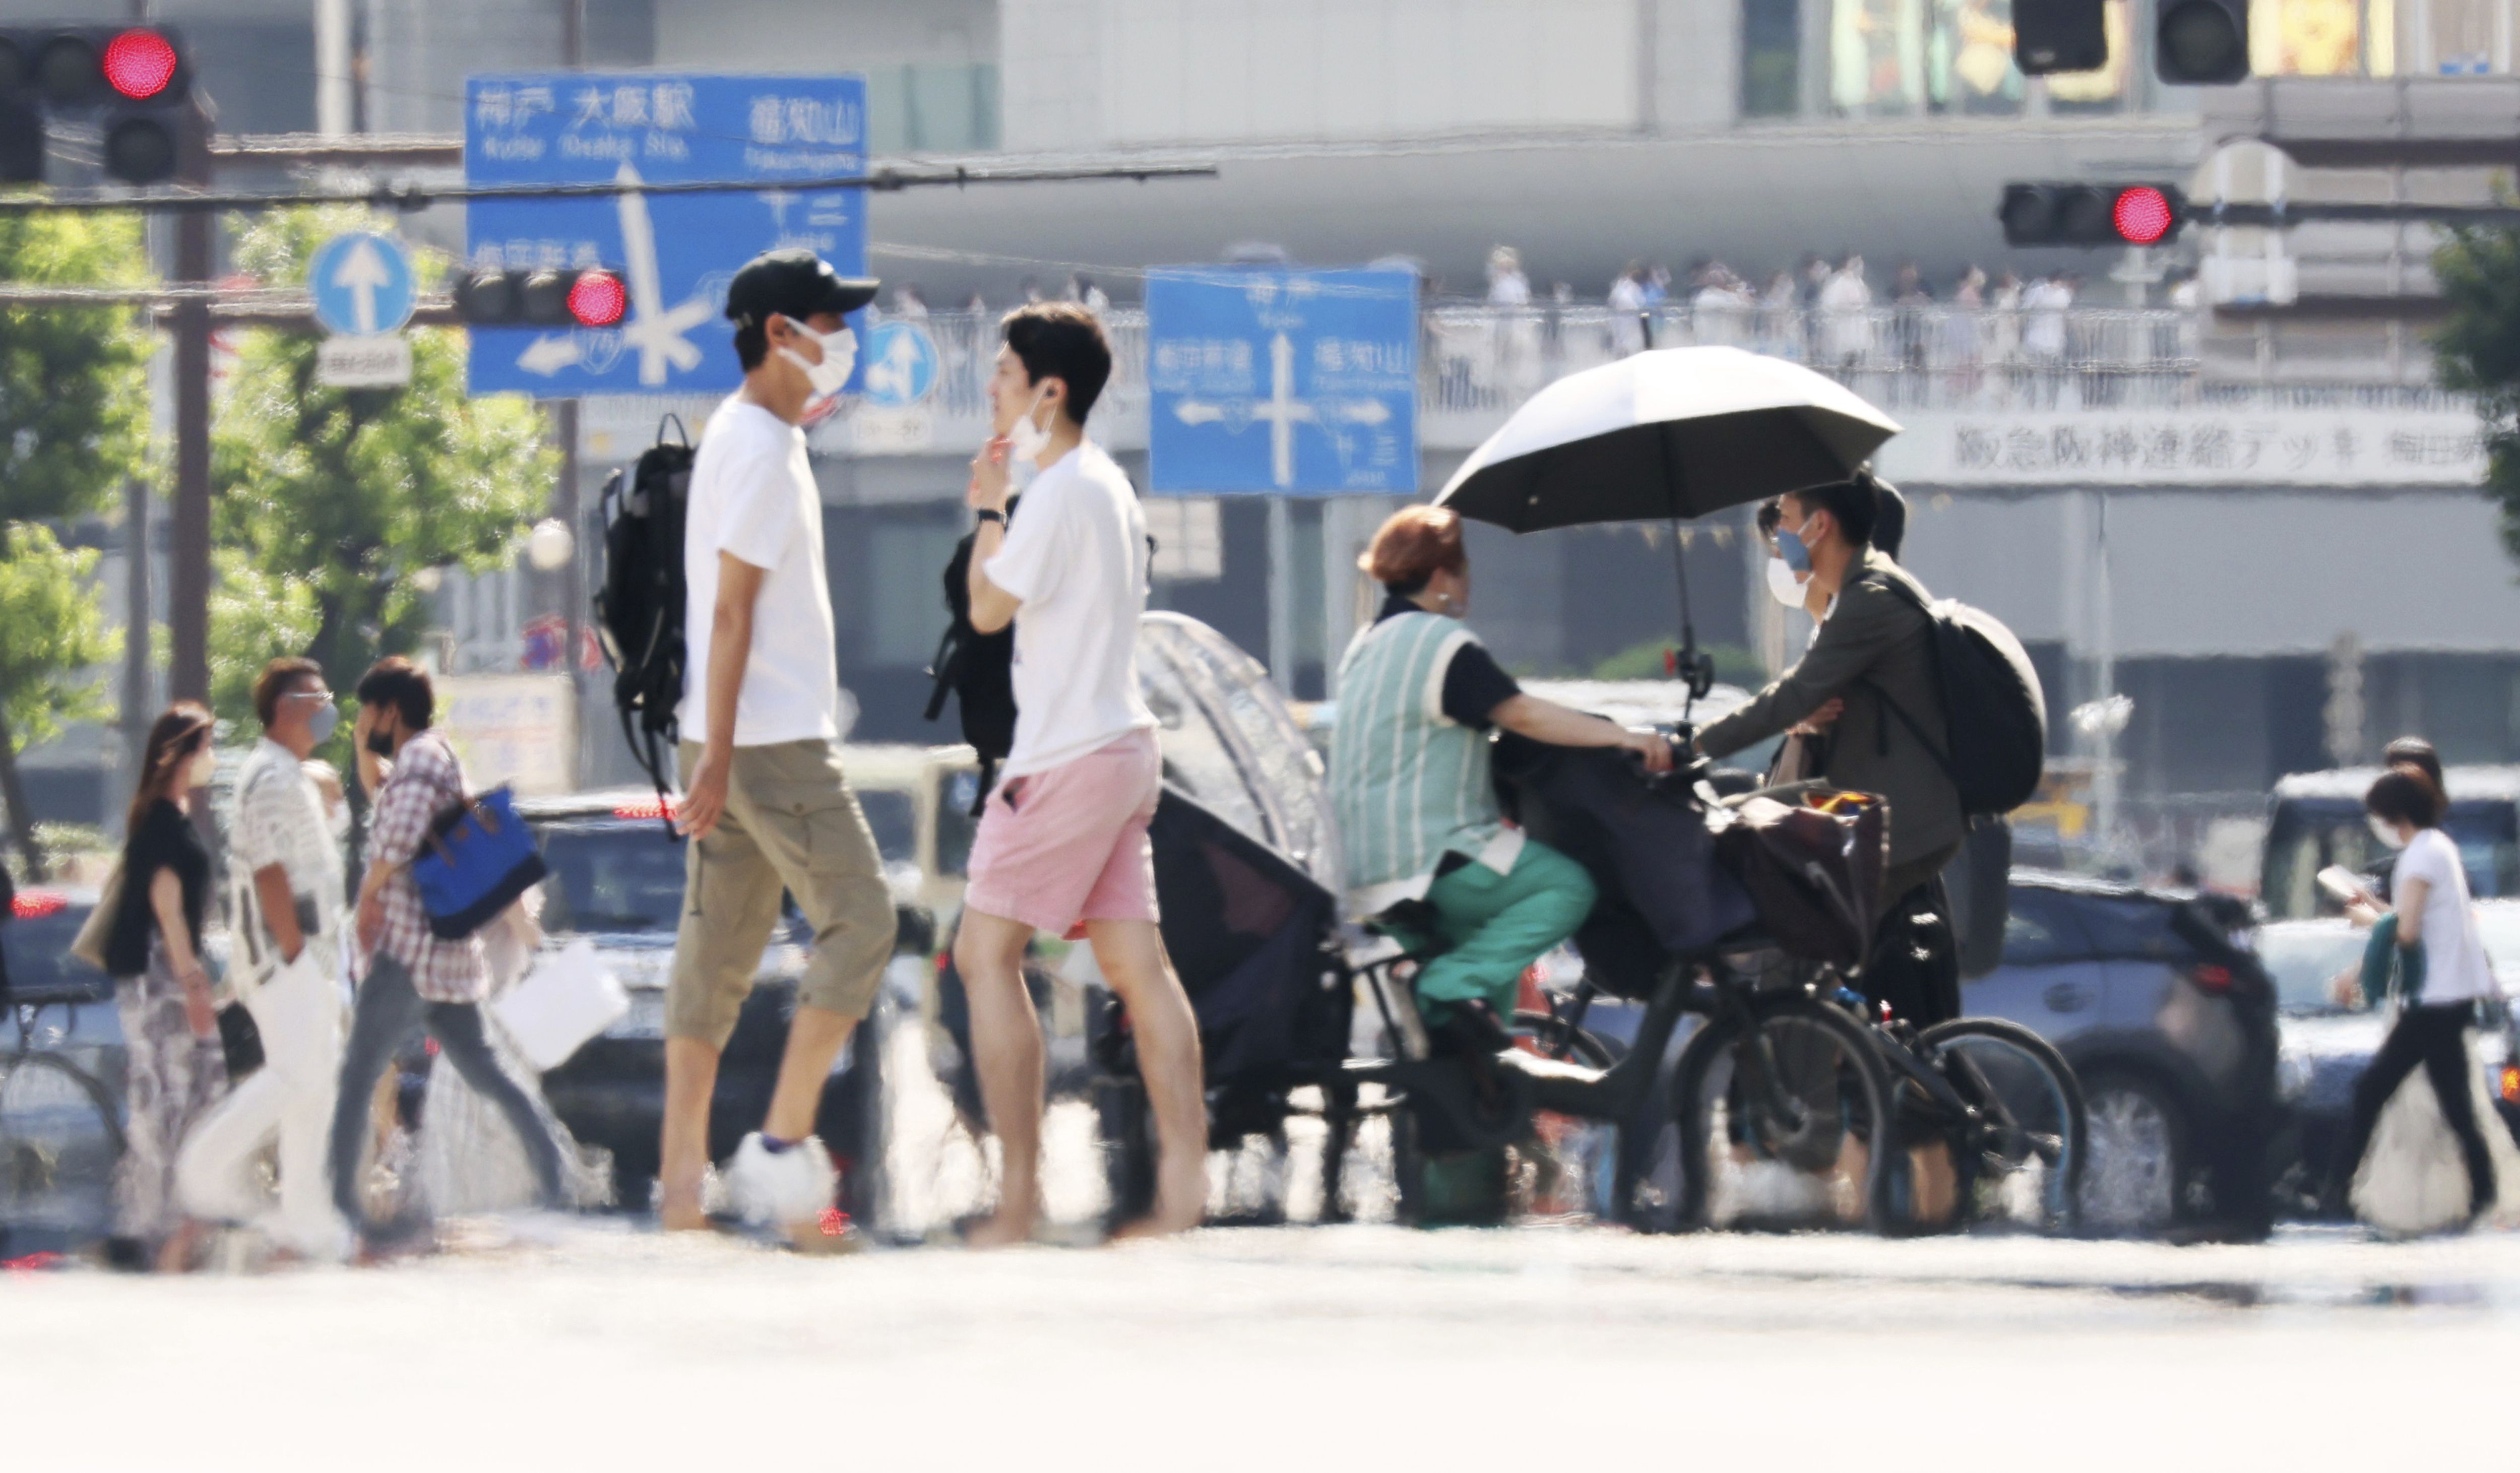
(1476, 364)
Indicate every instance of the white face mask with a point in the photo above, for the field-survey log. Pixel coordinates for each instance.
(1027, 440)
(839, 355)
(2386, 833)
(1782, 584)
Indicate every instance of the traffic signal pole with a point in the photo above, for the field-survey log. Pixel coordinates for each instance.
(187, 577)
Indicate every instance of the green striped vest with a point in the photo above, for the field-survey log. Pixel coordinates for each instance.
(1409, 782)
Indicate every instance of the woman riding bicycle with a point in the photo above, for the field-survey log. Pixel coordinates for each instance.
(1410, 778)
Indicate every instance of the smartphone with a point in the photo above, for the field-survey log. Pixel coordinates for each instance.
(2343, 884)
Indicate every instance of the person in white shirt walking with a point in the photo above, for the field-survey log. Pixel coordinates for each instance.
(286, 893)
(2442, 964)
(764, 803)
(1063, 842)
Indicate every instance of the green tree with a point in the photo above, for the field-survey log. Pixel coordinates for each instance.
(330, 498)
(73, 427)
(2478, 351)
(55, 631)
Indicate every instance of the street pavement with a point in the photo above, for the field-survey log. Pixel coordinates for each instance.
(550, 1343)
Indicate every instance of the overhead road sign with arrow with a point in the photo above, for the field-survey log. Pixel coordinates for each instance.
(778, 134)
(1264, 380)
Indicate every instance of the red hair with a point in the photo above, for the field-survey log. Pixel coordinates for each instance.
(1414, 546)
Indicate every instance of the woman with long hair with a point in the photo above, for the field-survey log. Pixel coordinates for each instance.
(170, 1027)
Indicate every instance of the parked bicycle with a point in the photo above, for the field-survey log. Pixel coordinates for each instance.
(61, 1126)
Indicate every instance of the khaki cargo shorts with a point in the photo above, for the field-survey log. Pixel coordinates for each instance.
(791, 823)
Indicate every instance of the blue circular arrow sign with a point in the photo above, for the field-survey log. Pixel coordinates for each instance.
(899, 365)
(362, 284)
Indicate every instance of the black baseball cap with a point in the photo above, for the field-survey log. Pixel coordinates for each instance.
(794, 283)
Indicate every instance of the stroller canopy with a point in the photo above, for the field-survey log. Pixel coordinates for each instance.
(1231, 743)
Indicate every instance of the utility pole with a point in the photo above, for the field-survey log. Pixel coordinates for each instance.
(187, 579)
(563, 507)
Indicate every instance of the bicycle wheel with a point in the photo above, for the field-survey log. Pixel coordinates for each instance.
(2021, 1161)
(60, 1137)
(1781, 1108)
(1567, 1167)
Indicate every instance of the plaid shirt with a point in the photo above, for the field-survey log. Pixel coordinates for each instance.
(425, 780)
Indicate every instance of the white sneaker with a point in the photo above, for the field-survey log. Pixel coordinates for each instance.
(778, 1190)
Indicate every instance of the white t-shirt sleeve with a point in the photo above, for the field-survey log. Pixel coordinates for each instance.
(760, 518)
(1028, 561)
(2429, 858)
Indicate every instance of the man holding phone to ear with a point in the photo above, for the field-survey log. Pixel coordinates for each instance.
(764, 802)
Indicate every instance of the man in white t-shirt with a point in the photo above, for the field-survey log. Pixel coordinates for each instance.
(1063, 842)
(764, 803)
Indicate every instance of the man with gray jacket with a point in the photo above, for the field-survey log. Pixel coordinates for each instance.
(1872, 664)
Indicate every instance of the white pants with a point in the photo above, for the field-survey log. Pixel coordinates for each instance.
(298, 1011)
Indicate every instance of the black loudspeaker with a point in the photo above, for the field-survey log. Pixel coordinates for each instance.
(2059, 36)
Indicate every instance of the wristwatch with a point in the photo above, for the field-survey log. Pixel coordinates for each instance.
(987, 513)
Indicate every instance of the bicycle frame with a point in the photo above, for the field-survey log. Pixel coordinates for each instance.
(1612, 1094)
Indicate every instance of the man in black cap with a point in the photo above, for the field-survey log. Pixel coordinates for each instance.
(763, 799)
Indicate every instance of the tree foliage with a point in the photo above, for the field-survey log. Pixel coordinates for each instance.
(73, 427)
(254, 615)
(73, 381)
(55, 631)
(334, 497)
(2478, 351)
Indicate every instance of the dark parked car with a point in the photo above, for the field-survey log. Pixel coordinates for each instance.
(2169, 1021)
(618, 881)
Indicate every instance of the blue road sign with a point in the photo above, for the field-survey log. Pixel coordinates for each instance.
(1291, 382)
(362, 284)
(898, 363)
(676, 253)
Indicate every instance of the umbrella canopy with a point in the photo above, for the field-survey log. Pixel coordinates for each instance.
(1674, 432)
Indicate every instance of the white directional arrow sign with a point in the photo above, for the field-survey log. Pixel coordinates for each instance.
(1283, 410)
(894, 374)
(363, 274)
(661, 337)
(548, 355)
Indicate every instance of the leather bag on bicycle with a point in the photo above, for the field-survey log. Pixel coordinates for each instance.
(1813, 869)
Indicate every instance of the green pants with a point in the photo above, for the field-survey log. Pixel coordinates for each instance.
(1497, 924)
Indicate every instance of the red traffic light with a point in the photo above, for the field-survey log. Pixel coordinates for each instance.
(139, 63)
(597, 300)
(2142, 214)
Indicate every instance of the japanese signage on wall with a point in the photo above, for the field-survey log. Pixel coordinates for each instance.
(2189, 447)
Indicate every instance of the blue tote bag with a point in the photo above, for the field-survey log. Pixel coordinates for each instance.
(479, 857)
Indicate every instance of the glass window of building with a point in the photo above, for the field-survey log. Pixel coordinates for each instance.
(1772, 57)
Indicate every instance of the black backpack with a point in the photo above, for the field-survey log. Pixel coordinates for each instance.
(1992, 706)
(639, 607)
(978, 669)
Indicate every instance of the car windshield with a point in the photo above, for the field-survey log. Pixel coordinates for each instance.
(2304, 960)
(610, 877)
(2308, 834)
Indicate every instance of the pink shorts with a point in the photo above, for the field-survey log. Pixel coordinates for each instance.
(1069, 845)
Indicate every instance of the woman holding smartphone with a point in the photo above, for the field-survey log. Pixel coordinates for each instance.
(2443, 974)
